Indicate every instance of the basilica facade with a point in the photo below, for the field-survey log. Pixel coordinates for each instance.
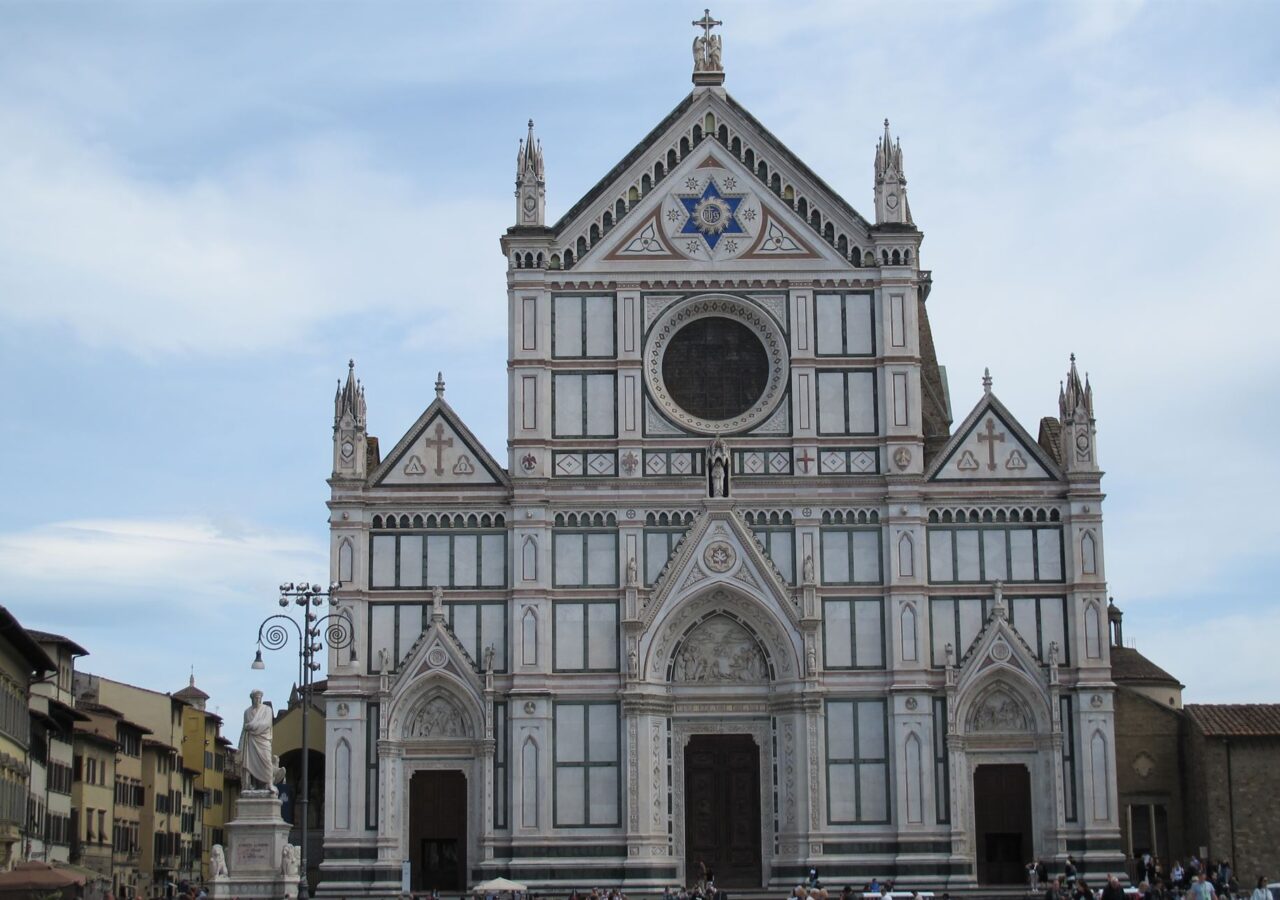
(741, 595)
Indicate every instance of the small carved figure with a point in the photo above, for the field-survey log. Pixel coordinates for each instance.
(632, 572)
(717, 478)
(998, 606)
(713, 53)
(488, 658)
(278, 772)
(384, 661)
(217, 863)
(633, 664)
(699, 53)
(808, 574)
(290, 861)
(437, 601)
(950, 651)
(811, 660)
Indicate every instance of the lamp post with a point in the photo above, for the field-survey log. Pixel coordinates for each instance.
(315, 630)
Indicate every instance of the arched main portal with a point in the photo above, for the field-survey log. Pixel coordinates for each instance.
(728, 667)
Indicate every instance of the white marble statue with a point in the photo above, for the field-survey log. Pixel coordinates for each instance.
(217, 863)
(290, 861)
(255, 746)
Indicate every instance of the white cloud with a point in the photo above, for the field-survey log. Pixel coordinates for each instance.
(256, 257)
(193, 561)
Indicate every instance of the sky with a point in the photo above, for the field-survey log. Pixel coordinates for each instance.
(207, 208)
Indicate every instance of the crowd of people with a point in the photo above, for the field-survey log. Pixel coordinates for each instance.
(1197, 880)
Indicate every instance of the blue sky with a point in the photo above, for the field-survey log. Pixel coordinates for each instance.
(206, 208)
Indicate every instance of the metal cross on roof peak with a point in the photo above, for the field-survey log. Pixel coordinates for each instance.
(706, 23)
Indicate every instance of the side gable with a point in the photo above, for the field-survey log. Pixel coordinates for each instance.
(439, 451)
(990, 445)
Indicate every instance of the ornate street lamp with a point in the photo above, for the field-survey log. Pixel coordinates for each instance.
(315, 631)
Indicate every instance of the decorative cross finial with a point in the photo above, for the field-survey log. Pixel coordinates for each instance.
(986, 381)
(707, 66)
(439, 385)
(706, 23)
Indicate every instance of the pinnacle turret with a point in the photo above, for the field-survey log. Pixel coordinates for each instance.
(891, 182)
(1079, 428)
(349, 399)
(531, 182)
(349, 436)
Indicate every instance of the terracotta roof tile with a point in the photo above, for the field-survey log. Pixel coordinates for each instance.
(1236, 719)
(1129, 665)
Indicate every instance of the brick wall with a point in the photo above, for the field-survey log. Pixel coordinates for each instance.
(1250, 806)
(1147, 741)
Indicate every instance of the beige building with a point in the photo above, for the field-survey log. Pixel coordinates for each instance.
(93, 795)
(21, 660)
(53, 717)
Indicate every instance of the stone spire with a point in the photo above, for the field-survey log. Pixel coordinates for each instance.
(891, 183)
(1079, 428)
(349, 436)
(531, 182)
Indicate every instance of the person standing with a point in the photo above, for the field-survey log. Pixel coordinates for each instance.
(1201, 889)
(1260, 891)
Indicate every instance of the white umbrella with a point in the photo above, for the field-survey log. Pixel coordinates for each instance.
(498, 885)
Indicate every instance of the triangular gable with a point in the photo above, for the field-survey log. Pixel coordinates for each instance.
(990, 445)
(998, 646)
(436, 659)
(719, 548)
(439, 451)
(711, 209)
(671, 139)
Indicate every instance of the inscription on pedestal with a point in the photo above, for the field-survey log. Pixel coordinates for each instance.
(253, 854)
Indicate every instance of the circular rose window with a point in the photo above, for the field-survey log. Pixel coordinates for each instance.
(716, 364)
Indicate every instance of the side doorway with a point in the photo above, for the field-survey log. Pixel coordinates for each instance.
(438, 831)
(1002, 823)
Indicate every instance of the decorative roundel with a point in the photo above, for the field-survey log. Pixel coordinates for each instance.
(719, 556)
(1000, 651)
(716, 364)
(712, 215)
(1082, 441)
(437, 657)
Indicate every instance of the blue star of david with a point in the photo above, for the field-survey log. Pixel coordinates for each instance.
(712, 214)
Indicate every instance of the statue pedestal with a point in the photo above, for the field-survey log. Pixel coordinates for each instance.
(257, 864)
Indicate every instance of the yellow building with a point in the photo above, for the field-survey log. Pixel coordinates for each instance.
(171, 830)
(204, 751)
(93, 794)
(20, 658)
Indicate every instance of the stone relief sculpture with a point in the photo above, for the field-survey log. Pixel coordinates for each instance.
(437, 718)
(719, 651)
(1000, 712)
(256, 760)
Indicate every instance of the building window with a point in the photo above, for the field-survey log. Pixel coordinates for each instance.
(586, 783)
(845, 325)
(780, 546)
(583, 327)
(371, 767)
(586, 636)
(853, 633)
(857, 762)
(1068, 759)
(501, 788)
(847, 402)
(659, 543)
(851, 556)
(941, 766)
(583, 405)
(430, 559)
(983, 555)
(585, 558)
(477, 626)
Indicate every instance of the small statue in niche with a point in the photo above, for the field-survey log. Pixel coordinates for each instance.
(437, 601)
(488, 658)
(718, 467)
(807, 572)
(633, 665)
(632, 572)
(384, 661)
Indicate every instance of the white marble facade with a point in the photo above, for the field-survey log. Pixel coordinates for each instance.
(881, 599)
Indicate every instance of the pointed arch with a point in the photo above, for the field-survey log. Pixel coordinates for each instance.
(1088, 554)
(1092, 631)
(907, 630)
(342, 784)
(906, 556)
(346, 561)
(529, 637)
(529, 559)
(529, 783)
